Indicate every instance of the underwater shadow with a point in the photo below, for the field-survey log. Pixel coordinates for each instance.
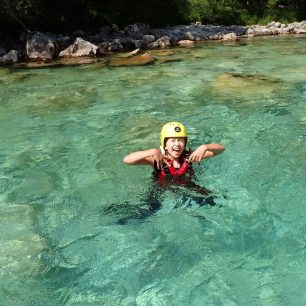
(189, 193)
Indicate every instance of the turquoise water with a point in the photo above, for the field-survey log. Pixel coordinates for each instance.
(64, 190)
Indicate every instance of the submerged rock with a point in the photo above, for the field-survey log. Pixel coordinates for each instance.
(144, 59)
(166, 52)
(37, 186)
(130, 54)
(245, 85)
(68, 61)
(166, 56)
(21, 246)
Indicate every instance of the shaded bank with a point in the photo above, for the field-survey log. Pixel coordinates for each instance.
(46, 47)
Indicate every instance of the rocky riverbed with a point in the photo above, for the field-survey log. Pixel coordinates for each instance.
(37, 48)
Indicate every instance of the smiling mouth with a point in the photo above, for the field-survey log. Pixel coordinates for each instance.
(176, 150)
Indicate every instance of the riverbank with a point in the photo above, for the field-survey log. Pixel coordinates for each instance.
(79, 47)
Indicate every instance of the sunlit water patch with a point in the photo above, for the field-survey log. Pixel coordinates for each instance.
(78, 227)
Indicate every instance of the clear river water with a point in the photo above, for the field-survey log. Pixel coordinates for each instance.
(76, 227)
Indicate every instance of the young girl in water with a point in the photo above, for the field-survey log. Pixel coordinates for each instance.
(172, 168)
(172, 159)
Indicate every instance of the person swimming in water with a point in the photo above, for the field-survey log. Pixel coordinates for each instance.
(172, 165)
(171, 159)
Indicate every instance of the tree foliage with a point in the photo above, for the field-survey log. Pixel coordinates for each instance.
(89, 15)
(246, 11)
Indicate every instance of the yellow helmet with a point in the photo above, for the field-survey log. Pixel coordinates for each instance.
(172, 129)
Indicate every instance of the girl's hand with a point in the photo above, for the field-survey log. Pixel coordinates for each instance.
(159, 158)
(198, 154)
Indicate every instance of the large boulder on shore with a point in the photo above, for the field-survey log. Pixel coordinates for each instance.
(80, 47)
(40, 47)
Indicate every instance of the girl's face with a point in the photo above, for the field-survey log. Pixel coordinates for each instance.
(175, 146)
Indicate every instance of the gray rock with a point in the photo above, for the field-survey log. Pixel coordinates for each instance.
(259, 31)
(115, 28)
(115, 45)
(136, 31)
(127, 43)
(163, 42)
(133, 32)
(299, 31)
(40, 46)
(196, 35)
(80, 47)
(274, 24)
(10, 57)
(103, 47)
(140, 44)
(148, 39)
(238, 30)
(229, 36)
(282, 31)
(185, 43)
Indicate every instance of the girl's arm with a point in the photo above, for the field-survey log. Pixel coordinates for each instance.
(146, 157)
(205, 151)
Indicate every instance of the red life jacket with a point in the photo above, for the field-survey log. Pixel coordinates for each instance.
(169, 170)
